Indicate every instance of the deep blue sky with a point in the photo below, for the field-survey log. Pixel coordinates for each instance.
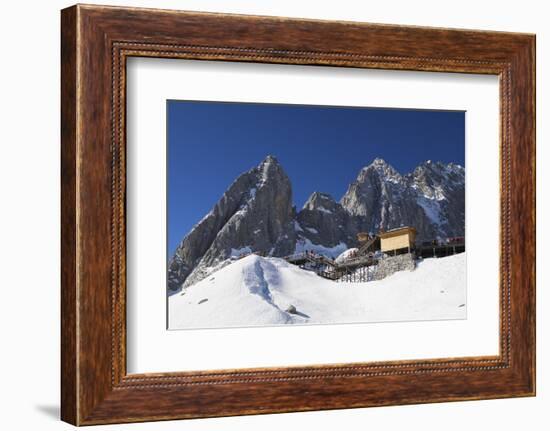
(321, 148)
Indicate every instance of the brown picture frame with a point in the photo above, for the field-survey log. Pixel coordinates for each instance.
(95, 43)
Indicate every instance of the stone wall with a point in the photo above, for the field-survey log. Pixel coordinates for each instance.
(391, 264)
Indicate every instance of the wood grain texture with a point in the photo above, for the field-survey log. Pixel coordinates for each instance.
(69, 398)
(96, 41)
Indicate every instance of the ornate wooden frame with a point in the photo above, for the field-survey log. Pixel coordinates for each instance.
(95, 43)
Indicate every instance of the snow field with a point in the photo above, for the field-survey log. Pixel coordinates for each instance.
(259, 291)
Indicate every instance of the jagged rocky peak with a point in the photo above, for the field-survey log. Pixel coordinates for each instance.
(270, 160)
(431, 198)
(440, 168)
(437, 173)
(268, 169)
(380, 169)
(373, 181)
(321, 202)
(270, 166)
(255, 214)
(379, 163)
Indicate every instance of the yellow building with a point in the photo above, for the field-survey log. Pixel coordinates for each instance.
(397, 240)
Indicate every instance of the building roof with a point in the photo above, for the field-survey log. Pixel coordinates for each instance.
(397, 232)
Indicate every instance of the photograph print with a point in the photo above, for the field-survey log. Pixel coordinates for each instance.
(298, 214)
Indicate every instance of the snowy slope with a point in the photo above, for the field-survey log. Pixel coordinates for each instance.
(256, 291)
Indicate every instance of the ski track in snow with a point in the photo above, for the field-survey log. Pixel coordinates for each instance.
(256, 291)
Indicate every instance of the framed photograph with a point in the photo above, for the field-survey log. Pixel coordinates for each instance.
(253, 245)
(266, 215)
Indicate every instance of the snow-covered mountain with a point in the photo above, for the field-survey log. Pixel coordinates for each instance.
(256, 214)
(256, 291)
(431, 199)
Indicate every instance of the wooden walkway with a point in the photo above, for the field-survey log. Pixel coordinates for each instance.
(440, 250)
(353, 270)
(358, 269)
(321, 265)
(366, 247)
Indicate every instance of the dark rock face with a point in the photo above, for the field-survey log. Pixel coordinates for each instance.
(441, 193)
(431, 199)
(324, 221)
(256, 214)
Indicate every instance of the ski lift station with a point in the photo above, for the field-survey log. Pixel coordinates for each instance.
(397, 241)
